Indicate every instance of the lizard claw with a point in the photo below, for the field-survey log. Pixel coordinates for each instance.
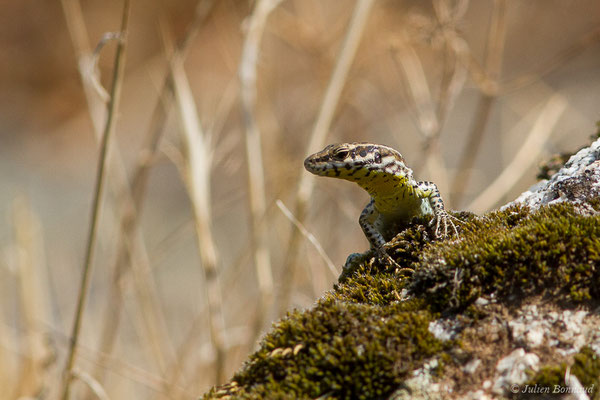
(445, 219)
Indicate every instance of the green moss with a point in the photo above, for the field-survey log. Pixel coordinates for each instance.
(586, 367)
(364, 338)
(545, 380)
(549, 376)
(594, 203)
(406, 247)
(339, 349)
(514, 254)
(378, 289)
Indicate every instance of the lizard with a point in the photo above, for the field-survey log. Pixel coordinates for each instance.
(395, 194)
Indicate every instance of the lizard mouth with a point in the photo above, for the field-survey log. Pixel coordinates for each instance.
(317, 166)
(323, 165)
(312, 164)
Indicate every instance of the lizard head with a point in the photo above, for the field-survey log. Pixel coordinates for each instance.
(354, 161)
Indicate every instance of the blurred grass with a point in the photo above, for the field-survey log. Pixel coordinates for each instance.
(216, 118)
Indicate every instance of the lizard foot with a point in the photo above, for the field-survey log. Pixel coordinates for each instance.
(354, 260)
(444, 219)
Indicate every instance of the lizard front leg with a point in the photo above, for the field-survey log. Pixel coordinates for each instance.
(368, 223)
(440, 215)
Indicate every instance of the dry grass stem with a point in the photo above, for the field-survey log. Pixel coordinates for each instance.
(31, 275)
(94, 386)
(87, 65)
(236, 337)
(496, 40)
(93, 73)
(429, 112)
(469, 154)
(477, 72)
(151, 325)
(113, 105)
(198, 158)
(311, 238)
(256, 178)
(125, 370)
(417, 90)
(145, 287)
(423, 110)
(562, 57)
(131, 245)
(131, 251)
(201, 13)
(493, 64)
(525, 157)
(317, 138)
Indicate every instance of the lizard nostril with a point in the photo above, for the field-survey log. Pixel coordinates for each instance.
(308, 163)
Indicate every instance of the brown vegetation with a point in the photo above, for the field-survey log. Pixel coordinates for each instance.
(220, 103)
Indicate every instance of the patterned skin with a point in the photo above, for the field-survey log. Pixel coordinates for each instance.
(395, 195)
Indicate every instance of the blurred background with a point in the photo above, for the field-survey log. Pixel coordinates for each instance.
(209, 227)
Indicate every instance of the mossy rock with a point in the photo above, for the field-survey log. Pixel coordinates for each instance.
(339, 350)
(367, 336)
(513, 254)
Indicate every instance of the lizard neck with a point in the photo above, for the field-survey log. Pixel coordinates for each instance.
(391, 192)
(380, 184)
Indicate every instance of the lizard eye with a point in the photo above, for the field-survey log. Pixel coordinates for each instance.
(340, 154)
(377, 157)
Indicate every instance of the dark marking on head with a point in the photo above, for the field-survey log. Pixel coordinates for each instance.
(339, 153)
